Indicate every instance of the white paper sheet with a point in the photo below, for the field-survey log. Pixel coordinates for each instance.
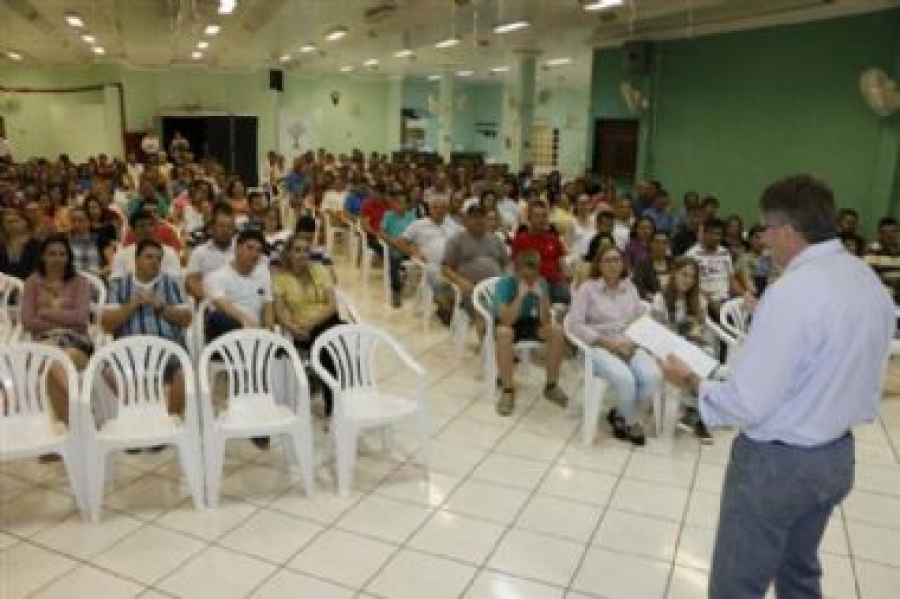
(661, 342)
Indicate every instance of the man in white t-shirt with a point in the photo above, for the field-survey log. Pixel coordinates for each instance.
(143, 225)
(717, 276)
(241, 293)
(624, 221)
(215, 253)
(333, 202)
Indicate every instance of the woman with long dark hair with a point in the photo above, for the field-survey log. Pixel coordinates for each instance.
(19, 248)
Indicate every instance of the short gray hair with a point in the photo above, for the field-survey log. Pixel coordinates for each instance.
(805, 203)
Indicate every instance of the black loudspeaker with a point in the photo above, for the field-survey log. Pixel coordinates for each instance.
(636, 58)
(276, 80)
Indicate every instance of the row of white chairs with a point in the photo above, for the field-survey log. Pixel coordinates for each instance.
(267, 394)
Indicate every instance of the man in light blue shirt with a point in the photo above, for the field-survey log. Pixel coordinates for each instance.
(811, 368)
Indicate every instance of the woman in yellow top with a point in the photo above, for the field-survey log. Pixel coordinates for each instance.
(305, 304)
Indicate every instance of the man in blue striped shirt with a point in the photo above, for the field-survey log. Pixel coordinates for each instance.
(812, 367)
(150, 302)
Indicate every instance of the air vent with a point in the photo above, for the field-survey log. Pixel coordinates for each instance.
(380, 13)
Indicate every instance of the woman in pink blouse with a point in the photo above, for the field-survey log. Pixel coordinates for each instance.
(602, 308)
(56, 305)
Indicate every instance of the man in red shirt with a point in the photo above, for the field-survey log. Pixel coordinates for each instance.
(540, 235)
(163, 232)
(371, 213)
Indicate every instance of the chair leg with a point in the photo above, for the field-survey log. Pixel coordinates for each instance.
(423, 431)
(387, 439)
(189, 456)
(77, 480)
(345, 439)
(96, 480)
(303, 454)
(593, 398)
(215, 455)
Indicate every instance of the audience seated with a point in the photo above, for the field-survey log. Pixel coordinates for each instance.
(717, 274)
(539, 235)
(19, 250)
(393, 224)
(93, 254)
(602, 309)
(143, 226)
(884, 255)
(163, 231)
(651, 274)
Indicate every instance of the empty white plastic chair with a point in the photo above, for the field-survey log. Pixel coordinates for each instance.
(132, 373)
(11, 290)
(28, 428)
(332, 232)
(359, 404)
(267, 394)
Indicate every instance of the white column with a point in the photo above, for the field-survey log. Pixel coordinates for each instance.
(445, 117)
(112, 120)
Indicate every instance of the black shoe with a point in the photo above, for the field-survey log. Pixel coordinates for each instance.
(703, 433)
(624, 431)
(688, 420)
(261, 442)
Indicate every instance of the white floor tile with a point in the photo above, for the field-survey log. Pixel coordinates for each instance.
(208, 524)
(7, 541)
(457, 536)
(410, 575)
(149, 554)
(496, 585)
(559, 517)
(688, 584)
(710, 478)
(838, 578)
(384, 518)
(648, 467)
(324, 507)
(453, 458)
(147, 498)
(530, 445)
(488, 501)
(25, 568)
(538, 557)
(638, 534)
(873, 508)
(35, 510)
(650, 499)
(256, 484)
(86, 581)
(271, 535)
(874, 543)
(217, 573)
(472, 433)
(577, 484)
(83, 540)
(617, 576)
(513, 471)
(413, 485)
(703, 509)
(877, 581)
(695, 548)
(607, 458)
(291, 585)
(343, 557)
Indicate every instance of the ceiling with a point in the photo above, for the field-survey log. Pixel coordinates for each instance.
(270, 33)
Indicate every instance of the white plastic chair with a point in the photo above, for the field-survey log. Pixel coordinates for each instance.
(595, 387)
(28, 428)
(98, 301)
(366, 256)
(735, 318)
(358, 402)
(346, 309)
(11, 290)
(131, 373)
(483, 298)
(332, 231)
(267, 394)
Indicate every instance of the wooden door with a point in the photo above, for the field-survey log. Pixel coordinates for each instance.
(616, 148)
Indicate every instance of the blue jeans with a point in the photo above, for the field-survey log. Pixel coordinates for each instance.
(776, 503)
(634, 382)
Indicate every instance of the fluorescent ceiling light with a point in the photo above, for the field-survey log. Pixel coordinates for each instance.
(203, 45)
(346, 69)
(601, 4)
(226, 7)
(555, 62)
(447, 43)
(464, 73)
(285, 57)
(305, 48)
(98, 50)
(511, 26)
(502, 69)
(74, 20)
(403, 53)
(14, 55)
(336, 34)
(196, 55)
(212, 30)
(434, 77)
(372, 62)
(90, 39)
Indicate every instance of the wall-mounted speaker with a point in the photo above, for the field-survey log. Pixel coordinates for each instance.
(636, 57)
(276, 80)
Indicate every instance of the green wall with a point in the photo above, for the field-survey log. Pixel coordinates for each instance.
(730, 113)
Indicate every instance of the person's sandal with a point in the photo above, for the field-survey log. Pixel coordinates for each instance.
(506, 403)
(554, 394)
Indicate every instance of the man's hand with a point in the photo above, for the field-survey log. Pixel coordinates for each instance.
(677, 372)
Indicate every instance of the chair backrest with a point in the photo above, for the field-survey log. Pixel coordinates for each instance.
(252, 362)
(98, 301)
(734, 318)
(24, 372)
(137, 367)
(346, 309)
(352, 349)
(11, 290)
(483, 299)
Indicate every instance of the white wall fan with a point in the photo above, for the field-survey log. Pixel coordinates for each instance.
(879, 91)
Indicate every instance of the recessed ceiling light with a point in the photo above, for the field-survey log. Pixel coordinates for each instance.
(403, 53)
(308, 48)
(601, 4)
(372, 62)
(98, 50)
(74, 20)
(90, 39)
(502, 69)
(196, 55)
(346, 69)
(434, 77)
(511, 26)
(447, 43)
(336, 34)
(464, 73)
(13, 55)
(226, 7)
(285, 57)
(212, 30)
(555, 62)
(203, 45)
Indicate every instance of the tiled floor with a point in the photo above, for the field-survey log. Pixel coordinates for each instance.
(514, 508)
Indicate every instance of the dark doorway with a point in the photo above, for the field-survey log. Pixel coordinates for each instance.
(616, 148)
(230, 139)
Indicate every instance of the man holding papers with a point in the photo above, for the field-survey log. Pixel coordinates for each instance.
(811, 368)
